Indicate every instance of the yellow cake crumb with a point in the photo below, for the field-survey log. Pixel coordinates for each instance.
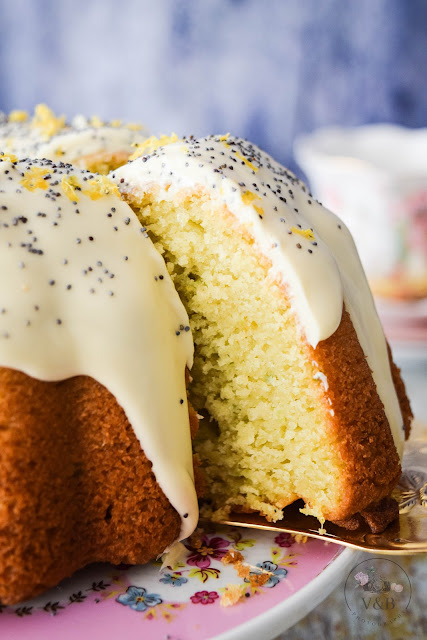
(300, 538)
(256, 576)
(231, 596)
(259, 579)
(232, 557)
(219, 515)
(309, 511)
(242, 570)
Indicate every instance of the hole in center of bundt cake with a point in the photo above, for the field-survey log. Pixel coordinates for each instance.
(262, 441)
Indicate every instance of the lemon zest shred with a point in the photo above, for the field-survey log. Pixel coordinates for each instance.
(134, 126)
(99, 187)
(34, 179)
(224, 137)
(18, 116)
(69, 184)
(305, 233)
(45, 120)
(248, 163)
(96, 122)
(250, 196)
(115, 123)
(151, 144)
(259, 210)
(4, 155)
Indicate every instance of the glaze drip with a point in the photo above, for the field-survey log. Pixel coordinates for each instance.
(86, 293)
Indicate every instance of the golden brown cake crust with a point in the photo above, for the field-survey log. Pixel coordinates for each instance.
(377, 516)
(359, 429)
(399, 385)
(75, 486)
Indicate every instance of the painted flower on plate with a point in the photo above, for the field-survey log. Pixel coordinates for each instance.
(276, 573)
(138, 599)
(206, 549)
(284, 540)
(204, 597)
(175, 579)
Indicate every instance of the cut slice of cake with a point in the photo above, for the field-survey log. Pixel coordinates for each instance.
(291, 366)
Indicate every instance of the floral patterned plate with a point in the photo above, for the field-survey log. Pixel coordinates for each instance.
(183, 602)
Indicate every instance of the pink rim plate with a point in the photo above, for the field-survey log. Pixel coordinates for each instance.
(183, 602)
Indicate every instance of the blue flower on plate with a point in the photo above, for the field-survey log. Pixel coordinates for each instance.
(175, 579)
(138, 599)
(276, 573)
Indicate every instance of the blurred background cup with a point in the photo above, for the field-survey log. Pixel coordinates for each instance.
(375, 178)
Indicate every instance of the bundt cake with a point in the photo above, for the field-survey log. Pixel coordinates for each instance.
(299, 397)
(87, 143)
(291, 372)
(95, 447)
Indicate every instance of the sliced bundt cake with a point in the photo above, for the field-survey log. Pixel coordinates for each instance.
(291, 367)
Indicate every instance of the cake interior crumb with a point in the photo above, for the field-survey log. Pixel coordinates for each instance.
(263, 442)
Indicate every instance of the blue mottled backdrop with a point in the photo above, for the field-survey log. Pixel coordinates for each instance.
(267, 70)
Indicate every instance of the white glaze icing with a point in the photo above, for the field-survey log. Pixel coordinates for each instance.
(18, 138)
(320, 272)
(86, 293)
(319, 375)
